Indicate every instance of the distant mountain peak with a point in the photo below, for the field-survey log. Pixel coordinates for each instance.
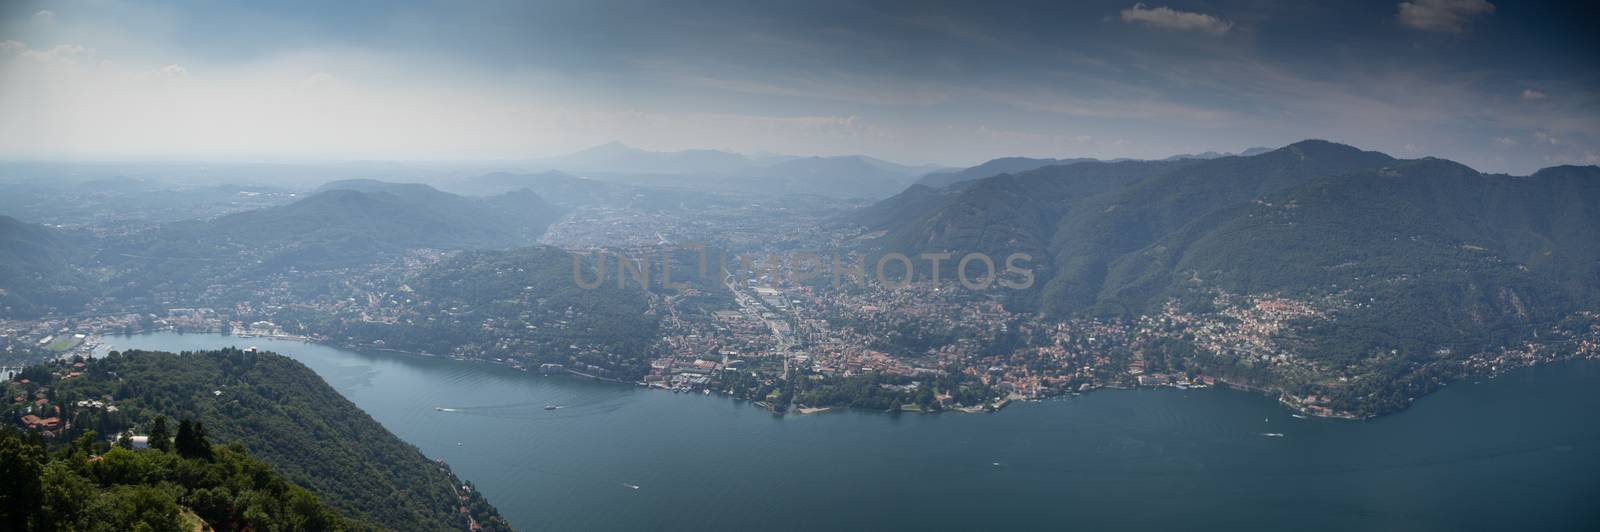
(1319, 145)
(610, 148)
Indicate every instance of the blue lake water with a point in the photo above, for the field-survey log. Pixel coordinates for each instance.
(1521, 452)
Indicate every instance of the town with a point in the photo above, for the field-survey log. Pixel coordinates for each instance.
(750, 328)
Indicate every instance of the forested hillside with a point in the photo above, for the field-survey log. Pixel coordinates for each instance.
(1394, 272)
(36, 270)
(94, 485)
(282, 413)
(521, 305)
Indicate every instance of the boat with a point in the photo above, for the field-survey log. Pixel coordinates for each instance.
(551, 407)
(1272, 434)
(1297, 416)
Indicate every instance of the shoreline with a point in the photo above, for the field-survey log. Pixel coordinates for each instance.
(1278, 395)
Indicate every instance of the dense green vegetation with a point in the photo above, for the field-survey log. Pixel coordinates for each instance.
(521, 305)
(870, 391)
(91, 484)
(37, 274)
(1432, 260)
(1004, 214)
(1089, 244)
(283, 414)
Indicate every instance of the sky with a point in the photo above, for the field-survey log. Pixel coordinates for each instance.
(1501, 86)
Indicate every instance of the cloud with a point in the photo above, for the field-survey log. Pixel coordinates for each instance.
(1442, 16)
(1530, 95)
(1506, 141)
(1171, 19)
(61, 53)
(45, 16)
(1546, 138)
(173, 71)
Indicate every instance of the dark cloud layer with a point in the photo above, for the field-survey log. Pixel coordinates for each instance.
(1488, 83)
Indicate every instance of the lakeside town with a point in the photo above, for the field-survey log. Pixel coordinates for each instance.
(791, 346)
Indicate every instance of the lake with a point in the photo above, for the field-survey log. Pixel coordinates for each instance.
(1514, 453)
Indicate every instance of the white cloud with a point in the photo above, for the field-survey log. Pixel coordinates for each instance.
(172, 71)
(45, 16)
(1507, 142)
(1443, 16)
(1530, 95)
(61, 53)
(1546, 138)
(1172, 19)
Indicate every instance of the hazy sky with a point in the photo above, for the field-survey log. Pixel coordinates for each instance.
(1501, 86)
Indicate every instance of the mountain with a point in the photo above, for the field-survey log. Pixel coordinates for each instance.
(840, 177)
(394, 216)
(1004, 165)
(343, 224)
(1213, 154)
(844, 177)
(1085, 242)
(288, 417)
(560, 188)
(1398, 271)
(1458, 259)
(616, 157)
(901, 169)
(37, 274)
(1013, 165)
(1001, 214)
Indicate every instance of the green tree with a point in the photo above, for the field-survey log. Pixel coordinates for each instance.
(85, 444)
(202, 446)
(65, 495)
(159, 438)
(137, 508)
(185, 443)
(20, 465)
